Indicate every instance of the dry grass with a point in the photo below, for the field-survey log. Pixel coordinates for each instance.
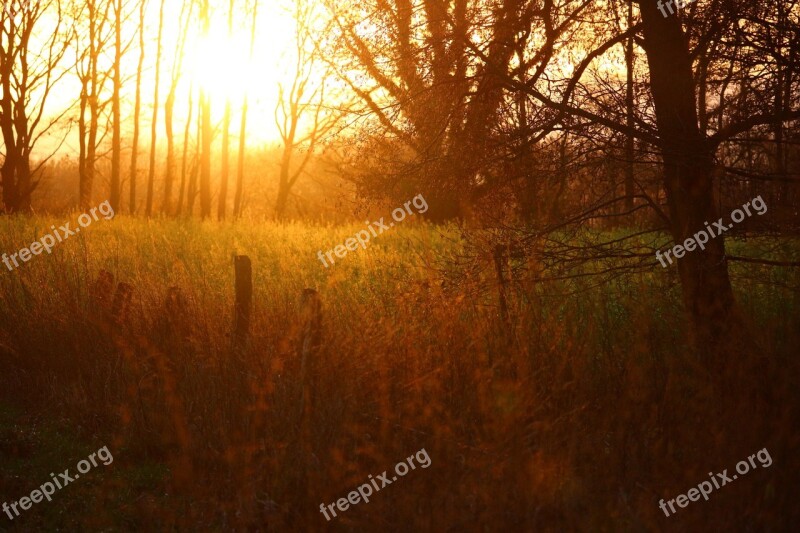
(580, 417)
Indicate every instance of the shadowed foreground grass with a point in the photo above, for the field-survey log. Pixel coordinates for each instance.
(580, 415)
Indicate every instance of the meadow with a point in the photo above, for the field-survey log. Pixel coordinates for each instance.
(578, 413)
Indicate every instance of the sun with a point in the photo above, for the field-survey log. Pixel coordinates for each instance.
(223, 67)
(227, 66)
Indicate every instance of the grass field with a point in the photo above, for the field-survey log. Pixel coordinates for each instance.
(579, 415)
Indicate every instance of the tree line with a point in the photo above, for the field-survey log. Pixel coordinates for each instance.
(551, 114)
(49, 46)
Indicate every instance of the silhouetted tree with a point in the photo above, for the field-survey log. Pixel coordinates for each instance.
(137, 108)
(206, 129)
(169, 106)
(237, 199)
(92, 44)
(154, 124)
(302, 114)
(28, 74)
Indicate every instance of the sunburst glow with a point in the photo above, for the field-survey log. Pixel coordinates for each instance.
(221, 64)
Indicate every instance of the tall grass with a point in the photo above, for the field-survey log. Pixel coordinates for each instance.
(580, 414)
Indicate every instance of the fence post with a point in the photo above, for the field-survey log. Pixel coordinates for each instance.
(311, 328)
(101, 294)
(499, 264)
(310, 343)
(176, 330)
(312, 322)
(121, 304)
(244, 299)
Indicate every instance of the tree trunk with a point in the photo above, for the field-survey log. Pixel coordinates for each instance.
(702, 93)
(283, 179)
(9, 186)
(24, 185)
(84, 187)
(629, 110)
(91, 143)
(11, 192)
(782, 103)
(137, 108)
(90, 101)
(27, 63)
(237, 198)
(9, 139)
(226, 139)
(205, 158)
(192, 195)
(788, 82)
(281, 202)
(169, 108)
(179, 210)
(225, 172)
(170, 170)
(205, 155)
(8, 173)
(116, 114)
(23, 152)
(153, 127)
(688, 165)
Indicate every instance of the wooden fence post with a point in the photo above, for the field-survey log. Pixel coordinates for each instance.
(310, 343)
(121, 304)
(244, 299)
(499, 264)
(312, 322)
(101, 293)
(175, 304)
(311, 328)
(175, 324)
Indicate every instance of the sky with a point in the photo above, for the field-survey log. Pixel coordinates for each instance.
(221, 63)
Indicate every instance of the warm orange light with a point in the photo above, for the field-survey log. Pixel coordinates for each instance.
(221, 65)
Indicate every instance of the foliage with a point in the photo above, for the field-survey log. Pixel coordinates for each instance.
(578, 415)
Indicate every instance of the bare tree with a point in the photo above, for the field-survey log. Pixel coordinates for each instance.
(169, 106)
(93, 76)
(151, 176)
(194, 174)
(28, 74)
(302, 114)
(184, 159)
(116, 115)
(237, 199)
(630, 147)
(390, 52)
(137, 108)
(206, 130)
(410, 68)
(226, 136)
